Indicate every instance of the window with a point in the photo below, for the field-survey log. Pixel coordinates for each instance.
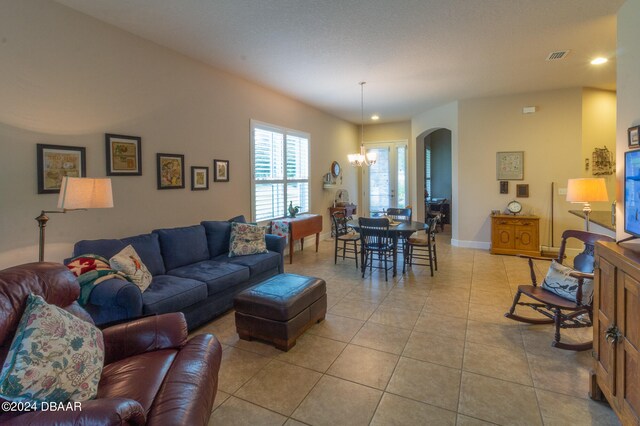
(280, 159)
(427, 170)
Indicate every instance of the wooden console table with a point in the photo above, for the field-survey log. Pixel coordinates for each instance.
(515, 235)
(616, 330)
(296, 228)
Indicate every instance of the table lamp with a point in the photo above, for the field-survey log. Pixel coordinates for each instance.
(77, 194)
(586, 190)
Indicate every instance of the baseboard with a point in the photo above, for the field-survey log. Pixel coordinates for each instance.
(471, 244)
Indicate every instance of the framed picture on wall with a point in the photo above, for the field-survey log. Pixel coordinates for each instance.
(504, 186)
(634, 136)
(510, 165)
(199, 178)
(56, 162)
(220, 170)
(522, 190)
(170, 171)
(124, 155)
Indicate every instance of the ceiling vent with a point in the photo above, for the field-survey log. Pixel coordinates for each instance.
(556, 56)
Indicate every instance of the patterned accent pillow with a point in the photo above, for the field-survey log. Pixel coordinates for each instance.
(129, 263)
(559, 282)
(54, 357)
(247, 239)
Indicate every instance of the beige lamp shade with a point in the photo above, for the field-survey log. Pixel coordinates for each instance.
(85, 193)
(587, 190)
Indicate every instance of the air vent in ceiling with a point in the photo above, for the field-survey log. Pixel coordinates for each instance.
(556, 56)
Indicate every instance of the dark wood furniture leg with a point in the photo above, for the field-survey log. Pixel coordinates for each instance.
(317, 240)
(290, 249)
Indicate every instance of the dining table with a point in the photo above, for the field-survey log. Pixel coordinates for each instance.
(396, 230)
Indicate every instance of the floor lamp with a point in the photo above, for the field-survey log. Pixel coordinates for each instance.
(77, 194)
(587, 190)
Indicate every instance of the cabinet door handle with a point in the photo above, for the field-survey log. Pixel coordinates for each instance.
(612, 334)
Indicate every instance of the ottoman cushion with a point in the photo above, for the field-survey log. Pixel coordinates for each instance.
(281, 297)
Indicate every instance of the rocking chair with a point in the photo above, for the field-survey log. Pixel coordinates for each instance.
(564, 311)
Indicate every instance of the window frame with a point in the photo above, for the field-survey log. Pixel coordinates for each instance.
(285, 181)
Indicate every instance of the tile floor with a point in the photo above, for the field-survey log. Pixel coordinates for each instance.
(417, 350)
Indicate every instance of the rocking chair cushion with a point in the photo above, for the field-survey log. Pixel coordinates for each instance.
(559, 281)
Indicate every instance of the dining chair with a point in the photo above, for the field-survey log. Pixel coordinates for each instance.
(376, 244)
(344, 235)
(400, 215)
(421, 248)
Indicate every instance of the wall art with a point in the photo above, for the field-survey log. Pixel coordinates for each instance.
(220, 170)
(57, 161)
(510, 165)
(199, 178)
(170, 171)
(124, 155)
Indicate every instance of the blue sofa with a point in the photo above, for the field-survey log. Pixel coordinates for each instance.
(192, 273)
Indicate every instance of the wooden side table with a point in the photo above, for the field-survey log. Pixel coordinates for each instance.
(299, 227)
(515, 235)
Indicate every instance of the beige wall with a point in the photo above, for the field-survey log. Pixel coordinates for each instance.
(67, 79)
(551, 141)
(628, 85)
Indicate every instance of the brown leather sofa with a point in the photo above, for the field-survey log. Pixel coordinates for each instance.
(152, 374)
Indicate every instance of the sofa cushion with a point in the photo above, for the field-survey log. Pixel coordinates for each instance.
(257, 263)
(104, 248)
(559, 281)
(148, 248)
(247, 239)
(122, 379)
(218, 234)
(129, 263)
(218, 275)
(169, 293)
(54, 356)
(183, 246)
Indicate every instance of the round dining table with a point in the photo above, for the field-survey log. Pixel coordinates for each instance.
(397, 230)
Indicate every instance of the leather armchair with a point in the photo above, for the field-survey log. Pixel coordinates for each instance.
(152, 373)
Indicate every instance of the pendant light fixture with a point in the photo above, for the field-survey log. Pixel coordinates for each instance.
(363, 158)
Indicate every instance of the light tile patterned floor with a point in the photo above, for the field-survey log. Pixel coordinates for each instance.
(415, 350)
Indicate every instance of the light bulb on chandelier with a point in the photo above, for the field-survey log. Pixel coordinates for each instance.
(363, 158)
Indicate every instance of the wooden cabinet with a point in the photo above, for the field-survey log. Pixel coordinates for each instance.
(616, 330)
(515, 235)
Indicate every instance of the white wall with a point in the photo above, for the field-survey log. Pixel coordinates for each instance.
(67, 79)
(628, 88)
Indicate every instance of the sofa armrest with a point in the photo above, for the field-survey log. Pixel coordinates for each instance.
(147, 334)
(194, 372)
(114, 300)
(277, 243)
(106, 411)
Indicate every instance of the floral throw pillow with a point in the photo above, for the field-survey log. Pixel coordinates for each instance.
(54, 357)
(559, 281)
(247, 239)
(129, 263)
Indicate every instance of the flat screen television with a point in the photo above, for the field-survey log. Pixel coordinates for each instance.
(632, 193)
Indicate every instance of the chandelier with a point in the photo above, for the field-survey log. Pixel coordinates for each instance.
(362, 158)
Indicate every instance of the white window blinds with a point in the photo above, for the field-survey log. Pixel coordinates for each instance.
(273, 186)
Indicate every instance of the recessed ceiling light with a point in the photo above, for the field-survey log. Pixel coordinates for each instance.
(375, 117)
(599, 61)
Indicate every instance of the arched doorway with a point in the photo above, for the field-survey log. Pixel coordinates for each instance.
(434, 171)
